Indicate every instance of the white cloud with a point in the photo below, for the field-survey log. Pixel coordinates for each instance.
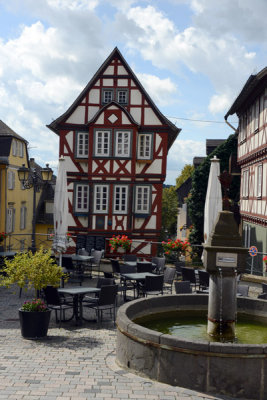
(182, 152)
(219, 103)
(162, 91)
(223, 58)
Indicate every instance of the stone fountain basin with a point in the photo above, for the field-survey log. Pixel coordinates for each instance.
(236, 370)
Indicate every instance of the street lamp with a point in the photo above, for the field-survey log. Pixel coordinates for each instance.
(31, 179)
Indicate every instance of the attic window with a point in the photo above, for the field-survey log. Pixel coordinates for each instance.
(122, 96)
(107, 96)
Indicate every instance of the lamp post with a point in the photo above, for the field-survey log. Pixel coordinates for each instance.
(31, 179)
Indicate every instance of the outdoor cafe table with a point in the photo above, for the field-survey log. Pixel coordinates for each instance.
(134, 263)
(78, 293)
(136, 276)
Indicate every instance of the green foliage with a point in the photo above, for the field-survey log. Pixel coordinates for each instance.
(31, 270)
(187, 171)
(197, 197)
(169, 210)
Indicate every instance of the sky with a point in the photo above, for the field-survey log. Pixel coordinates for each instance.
(192, 56)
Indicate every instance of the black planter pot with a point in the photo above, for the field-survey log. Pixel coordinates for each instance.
(34, 325)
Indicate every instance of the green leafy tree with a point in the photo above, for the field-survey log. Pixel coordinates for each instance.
(185, 174)
(169, 211)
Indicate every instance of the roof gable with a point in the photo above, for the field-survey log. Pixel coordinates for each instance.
(115, 67)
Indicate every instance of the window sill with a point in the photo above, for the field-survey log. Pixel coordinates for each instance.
(80, 159)
(144, 161)
(141, 215)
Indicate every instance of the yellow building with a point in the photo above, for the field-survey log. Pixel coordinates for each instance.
(16, 200)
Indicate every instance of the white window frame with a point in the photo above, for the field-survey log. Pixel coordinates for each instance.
(122, 93)
(81, 198)
(108, 99)
(256, 116)
(82, 144)
(122, 143)
(120, 199)
(259, 180)
(10, 219)
(245, 183)
(142, 203)
(102, 143)
(101, 199)
(144, 146)
(10, 180)
(23, 216)
(14, 147)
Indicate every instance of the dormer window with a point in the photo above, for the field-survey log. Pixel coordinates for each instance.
(107, 96)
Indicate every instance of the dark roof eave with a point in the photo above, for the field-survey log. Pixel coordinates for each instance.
(249, 86)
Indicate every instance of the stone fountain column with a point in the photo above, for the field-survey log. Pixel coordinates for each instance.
(224, 258)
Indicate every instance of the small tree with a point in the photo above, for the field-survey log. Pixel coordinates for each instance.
(32, 270)
(169, 211)
(185, 174)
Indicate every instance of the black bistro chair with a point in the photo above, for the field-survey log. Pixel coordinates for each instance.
(153, 285)
(169, 275)
(58, 303)
(188, 274)
(105, 301)
(182, 287)
(75, 275)
(144, 267)
(203, 279)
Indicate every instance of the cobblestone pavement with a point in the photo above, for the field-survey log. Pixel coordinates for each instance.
(72, 363)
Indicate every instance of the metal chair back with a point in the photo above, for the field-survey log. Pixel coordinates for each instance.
(154, 284)
(182, 287)
(144, 267)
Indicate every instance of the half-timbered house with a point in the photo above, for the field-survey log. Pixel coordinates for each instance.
(115, 142)
(251, 109)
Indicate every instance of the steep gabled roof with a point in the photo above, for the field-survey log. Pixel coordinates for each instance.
(6, 131)
(253, 82)
(173, 130)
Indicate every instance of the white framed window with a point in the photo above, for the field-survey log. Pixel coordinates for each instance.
(81, 193)
(82, 145)
(120, 202)
(245, 183)
(101, 198)
(10, 220)
(107, 96)
(23, 216)
(144, 147)
(256, 116)
(142, 199)
(102, 143)
(259, 180)
(122, 143)
(243, 127)
(10, 179)
(14, 147)
(122, 96)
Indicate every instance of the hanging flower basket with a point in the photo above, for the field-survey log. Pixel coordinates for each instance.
(120, 243)
(175, 246)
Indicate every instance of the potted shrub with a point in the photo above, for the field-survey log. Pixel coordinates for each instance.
(32, 270)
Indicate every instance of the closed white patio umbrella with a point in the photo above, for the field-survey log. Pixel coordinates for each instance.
(213, 203)
(61, 211)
